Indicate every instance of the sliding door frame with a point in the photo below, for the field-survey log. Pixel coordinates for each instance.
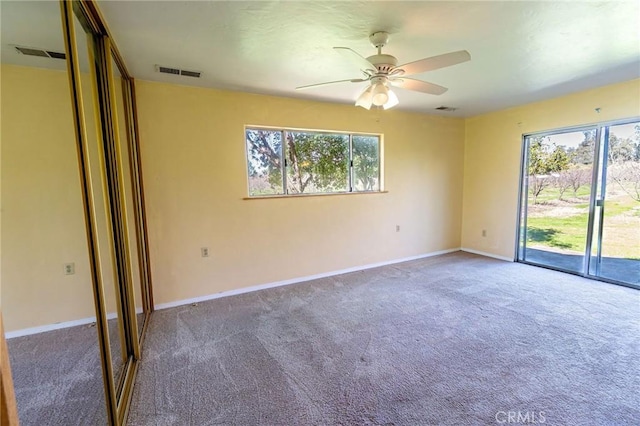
(523, 190)
(117, 395)
(135, 162)
(73, 67)
(597, 171)
(601, 202)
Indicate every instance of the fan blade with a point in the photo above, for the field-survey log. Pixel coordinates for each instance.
(310, 86)
(418, 86)
(435, 62)
(357, 59)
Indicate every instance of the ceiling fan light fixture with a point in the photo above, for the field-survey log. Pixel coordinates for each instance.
(393, 100)
(382, 71)
(366, 98)
(380, 94)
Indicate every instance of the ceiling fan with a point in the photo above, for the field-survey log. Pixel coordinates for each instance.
(382, 70)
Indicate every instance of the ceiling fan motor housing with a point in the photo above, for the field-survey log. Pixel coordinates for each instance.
(384, 63)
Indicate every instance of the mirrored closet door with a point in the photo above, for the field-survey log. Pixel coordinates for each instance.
(47, 289)
(118, 194)
(99, 195)
(75, 271)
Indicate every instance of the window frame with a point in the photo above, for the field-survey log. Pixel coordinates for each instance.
(284, 164)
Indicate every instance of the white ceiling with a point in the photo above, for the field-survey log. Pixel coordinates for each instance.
(36, 24)
(30, 24)
(522, 51)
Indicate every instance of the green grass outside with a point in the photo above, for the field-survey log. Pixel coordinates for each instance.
(567, 231)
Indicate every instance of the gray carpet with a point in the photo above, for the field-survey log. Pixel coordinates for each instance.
(451, 340)
(58, 378)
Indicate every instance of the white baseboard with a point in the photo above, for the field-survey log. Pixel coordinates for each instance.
(482, 253)
(295, 280)
(49, 327)
(84, 321)
(58, 325)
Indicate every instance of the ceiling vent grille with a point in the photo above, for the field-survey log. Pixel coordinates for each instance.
(40, 52)
(176, 71)
(446, 108)
(186, 73)
(168, 70)
(56, 55)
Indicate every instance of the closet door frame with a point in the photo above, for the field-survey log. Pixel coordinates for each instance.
(117, 395)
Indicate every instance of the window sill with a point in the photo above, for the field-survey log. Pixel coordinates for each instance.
(269, 197)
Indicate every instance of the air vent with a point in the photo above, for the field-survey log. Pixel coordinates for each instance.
(167, 70)
(195, 74)
(446, 108)
(57, 55)
(176, 71)
(39, 52)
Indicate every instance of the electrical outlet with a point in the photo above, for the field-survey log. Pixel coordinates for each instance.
(69, 268)
(397, 228)
(484, 232)
(204, 251)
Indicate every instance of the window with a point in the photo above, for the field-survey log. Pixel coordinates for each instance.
(290, 162)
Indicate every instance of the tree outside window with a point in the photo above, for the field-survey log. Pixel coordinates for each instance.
(290, 162)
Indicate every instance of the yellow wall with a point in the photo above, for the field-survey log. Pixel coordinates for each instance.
(194, 168)
(493, 145)
(42, 219)
(193, 154)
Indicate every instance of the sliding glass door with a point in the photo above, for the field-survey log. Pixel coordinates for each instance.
(580, 203)
(615, 253)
